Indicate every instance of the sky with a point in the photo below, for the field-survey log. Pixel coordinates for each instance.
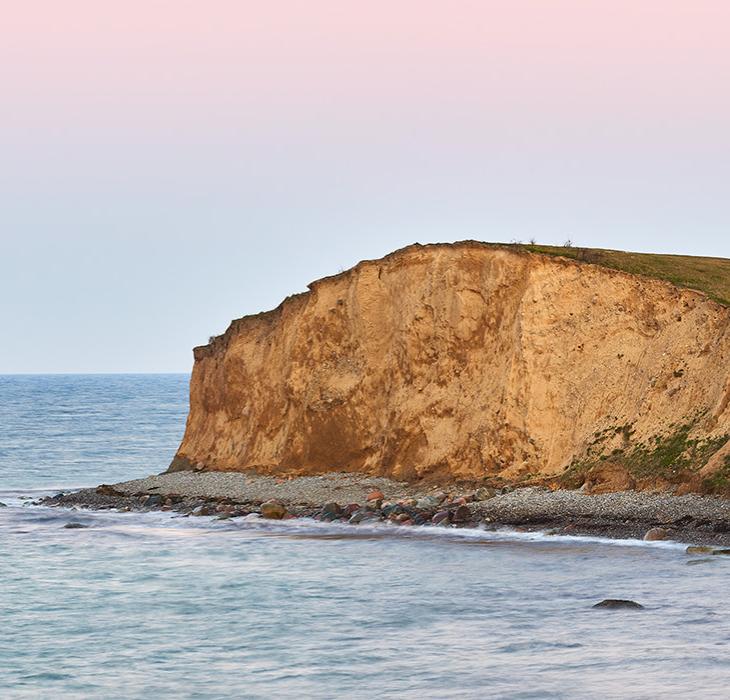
(167, 166)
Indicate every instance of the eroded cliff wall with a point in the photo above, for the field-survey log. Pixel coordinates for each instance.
(466, 361)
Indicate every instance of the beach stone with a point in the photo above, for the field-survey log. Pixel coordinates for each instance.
(107, 490)
(484, 493)
(462, 514)
(722, 552)
(618, 604)
(441, 518)
(350, 508)
(656, 534)
(272, 510)
(331, 511)
(428, 502)
(332, 508)
(74, 526)
(362, 515)
(153, 500)
(699, 549)
(375, 496)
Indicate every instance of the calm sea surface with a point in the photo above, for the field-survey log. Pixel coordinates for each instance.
(152, 605)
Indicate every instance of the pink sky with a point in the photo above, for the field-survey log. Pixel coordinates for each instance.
(146, 67)
(280, 141)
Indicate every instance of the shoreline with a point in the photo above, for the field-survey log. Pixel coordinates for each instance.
(355, 498)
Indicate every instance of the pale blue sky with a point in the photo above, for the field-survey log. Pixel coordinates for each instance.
(144, 204)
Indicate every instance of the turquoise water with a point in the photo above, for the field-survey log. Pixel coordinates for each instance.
(153, 605)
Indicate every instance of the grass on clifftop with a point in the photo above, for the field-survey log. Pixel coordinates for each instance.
(708, 275)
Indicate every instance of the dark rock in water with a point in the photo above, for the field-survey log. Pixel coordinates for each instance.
(722, 552)
(3, 505)
(617, 604)
(74, 526)
(699, 549)
(153, 500)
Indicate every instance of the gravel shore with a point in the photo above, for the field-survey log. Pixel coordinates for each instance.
(249, 487)
(357, 498)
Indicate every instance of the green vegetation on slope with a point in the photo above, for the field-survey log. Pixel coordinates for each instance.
(673, 456)
(708, 275)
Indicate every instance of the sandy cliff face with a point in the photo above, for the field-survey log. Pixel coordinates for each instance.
(468, 361)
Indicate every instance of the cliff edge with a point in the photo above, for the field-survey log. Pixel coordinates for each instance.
(473, 362)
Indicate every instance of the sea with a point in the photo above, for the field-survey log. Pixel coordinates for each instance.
(154, 605)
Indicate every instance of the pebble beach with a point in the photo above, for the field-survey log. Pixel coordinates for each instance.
(354, 498)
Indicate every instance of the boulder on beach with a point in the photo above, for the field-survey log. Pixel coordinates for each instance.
(441, 518)
(331, 510)
(462, 514)
(273, 510)
(363, 515)
(107, 490)
(656, 534)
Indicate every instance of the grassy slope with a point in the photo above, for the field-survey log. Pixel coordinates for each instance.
(708, 275)
(672, 457)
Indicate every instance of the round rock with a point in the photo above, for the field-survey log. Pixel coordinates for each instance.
(618, 604)
(272, 510)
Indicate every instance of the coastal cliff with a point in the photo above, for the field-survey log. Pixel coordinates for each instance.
(473, 362)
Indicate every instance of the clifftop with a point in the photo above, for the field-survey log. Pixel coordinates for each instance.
(475, 361)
